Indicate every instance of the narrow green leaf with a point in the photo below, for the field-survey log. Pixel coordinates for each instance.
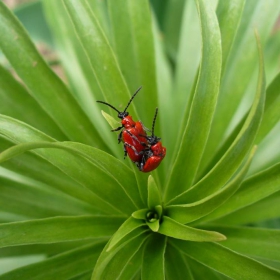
(176, 266)
(154, 198)
(229, 15)
(271, 111)
(33, 199)
(39, 169)
(256, 242)
(32, 16)
(153, 258)
(127, 227)
(265, 209)
(171, 25)
(132, 240)
(122, 262)
(241, 70)
(77, 67)
(225, 261)
(43, 84)
(140, 214)
(99, 52)
(17, 103)
(251, 190)
(76, 166)
(154, 226)
(98, 158)
(186, 213)
(111, 121)
(203, 105)
(199, 270)
(58, 229)
(63, 266)
(172, 228)
(233, 157)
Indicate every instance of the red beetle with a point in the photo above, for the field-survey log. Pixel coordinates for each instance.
(132, 147)
(153, 153)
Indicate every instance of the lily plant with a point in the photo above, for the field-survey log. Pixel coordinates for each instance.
(67, 196)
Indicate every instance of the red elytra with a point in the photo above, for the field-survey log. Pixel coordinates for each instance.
(152, 155)
(152, 158)
(131, 128)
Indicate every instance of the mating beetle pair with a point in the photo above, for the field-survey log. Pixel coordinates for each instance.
(145, 151)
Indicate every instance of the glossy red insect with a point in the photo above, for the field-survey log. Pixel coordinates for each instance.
(132, 133)
(153, 153)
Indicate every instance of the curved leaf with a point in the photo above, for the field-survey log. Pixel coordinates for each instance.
(32, 199)
(255, 242)
(127, 227)
(251, 190)
(43, 84)
(153, 258)
(233, 157)
(62, 266)
(77, 67)
(176, 266)
(240, 74)
(217, 257)
(132, 26)
(202, 108)
(58, 229)
(99, 52)
(17, 103)
(186, 213)
(172, 228)
(154, 198)
(131, 242)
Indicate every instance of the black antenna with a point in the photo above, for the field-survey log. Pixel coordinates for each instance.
(154, 122)
(132, 98)
(109, 105)
(123, 114)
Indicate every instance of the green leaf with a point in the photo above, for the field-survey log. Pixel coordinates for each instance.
(111, 121)
(240, 74)
(98, 158)
(135, 30)
(75, 166)
(16, 103)
(33, 199)
(154, 226)
(251, 190)
(39, 169)
(229, 15)
(176, 266)
(217, 257)
(58, 229)
(271, 111)
(154, 198)
(153, 258)
(255, 242)
(32, 16)
(64, 266)
(235, 154)
(127, 227)
(124, 264)
(99, 52)
(43, 83)
(265, 209)
(80, 75)
(140, 214)
(172, 228)
(130, 243)
(186, 213)
(202, 108)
